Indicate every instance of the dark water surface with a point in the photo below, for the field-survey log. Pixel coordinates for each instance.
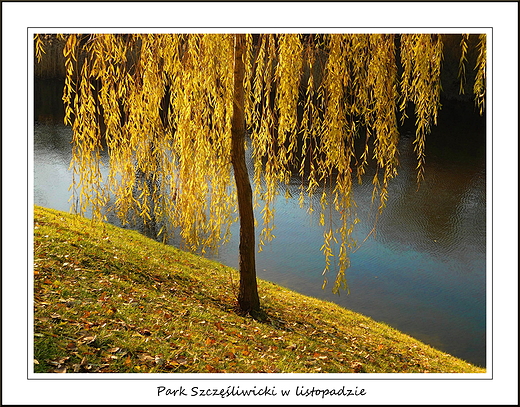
(424, 272)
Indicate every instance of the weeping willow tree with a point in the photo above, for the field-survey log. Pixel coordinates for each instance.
(175, 113)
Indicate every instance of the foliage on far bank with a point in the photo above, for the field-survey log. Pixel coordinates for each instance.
(108, 299)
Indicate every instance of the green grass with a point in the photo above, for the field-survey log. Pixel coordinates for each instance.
(111, 300)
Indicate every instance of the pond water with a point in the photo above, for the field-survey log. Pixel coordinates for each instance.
(424, 271)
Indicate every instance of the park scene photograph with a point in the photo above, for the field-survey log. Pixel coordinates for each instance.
(292, 202)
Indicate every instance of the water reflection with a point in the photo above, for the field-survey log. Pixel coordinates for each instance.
(424, 272)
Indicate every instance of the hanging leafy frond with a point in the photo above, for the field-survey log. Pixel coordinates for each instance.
(421, 56)
(39, 48)
(479, 88)
(462, 62)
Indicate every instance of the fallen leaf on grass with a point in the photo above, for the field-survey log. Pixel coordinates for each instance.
(59, 361)
(71, 346)
(159, 361)
(357, 367)
(212, 369)
(175, 363)
(87, 339)
(229, 355)
(146, 358)
(181, 360)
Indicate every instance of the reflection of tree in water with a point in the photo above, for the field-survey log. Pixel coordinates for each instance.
(430, 217)
(52, 134)
(48, 106)
(153, 181)
(142, 178)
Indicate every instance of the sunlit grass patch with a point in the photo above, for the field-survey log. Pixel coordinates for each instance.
(110, 300)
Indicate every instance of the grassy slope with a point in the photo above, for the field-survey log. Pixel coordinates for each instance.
(110, 300)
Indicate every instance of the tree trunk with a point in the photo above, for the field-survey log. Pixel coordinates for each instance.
(248, 299)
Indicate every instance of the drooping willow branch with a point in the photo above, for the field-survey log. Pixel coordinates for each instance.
(323, 107)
